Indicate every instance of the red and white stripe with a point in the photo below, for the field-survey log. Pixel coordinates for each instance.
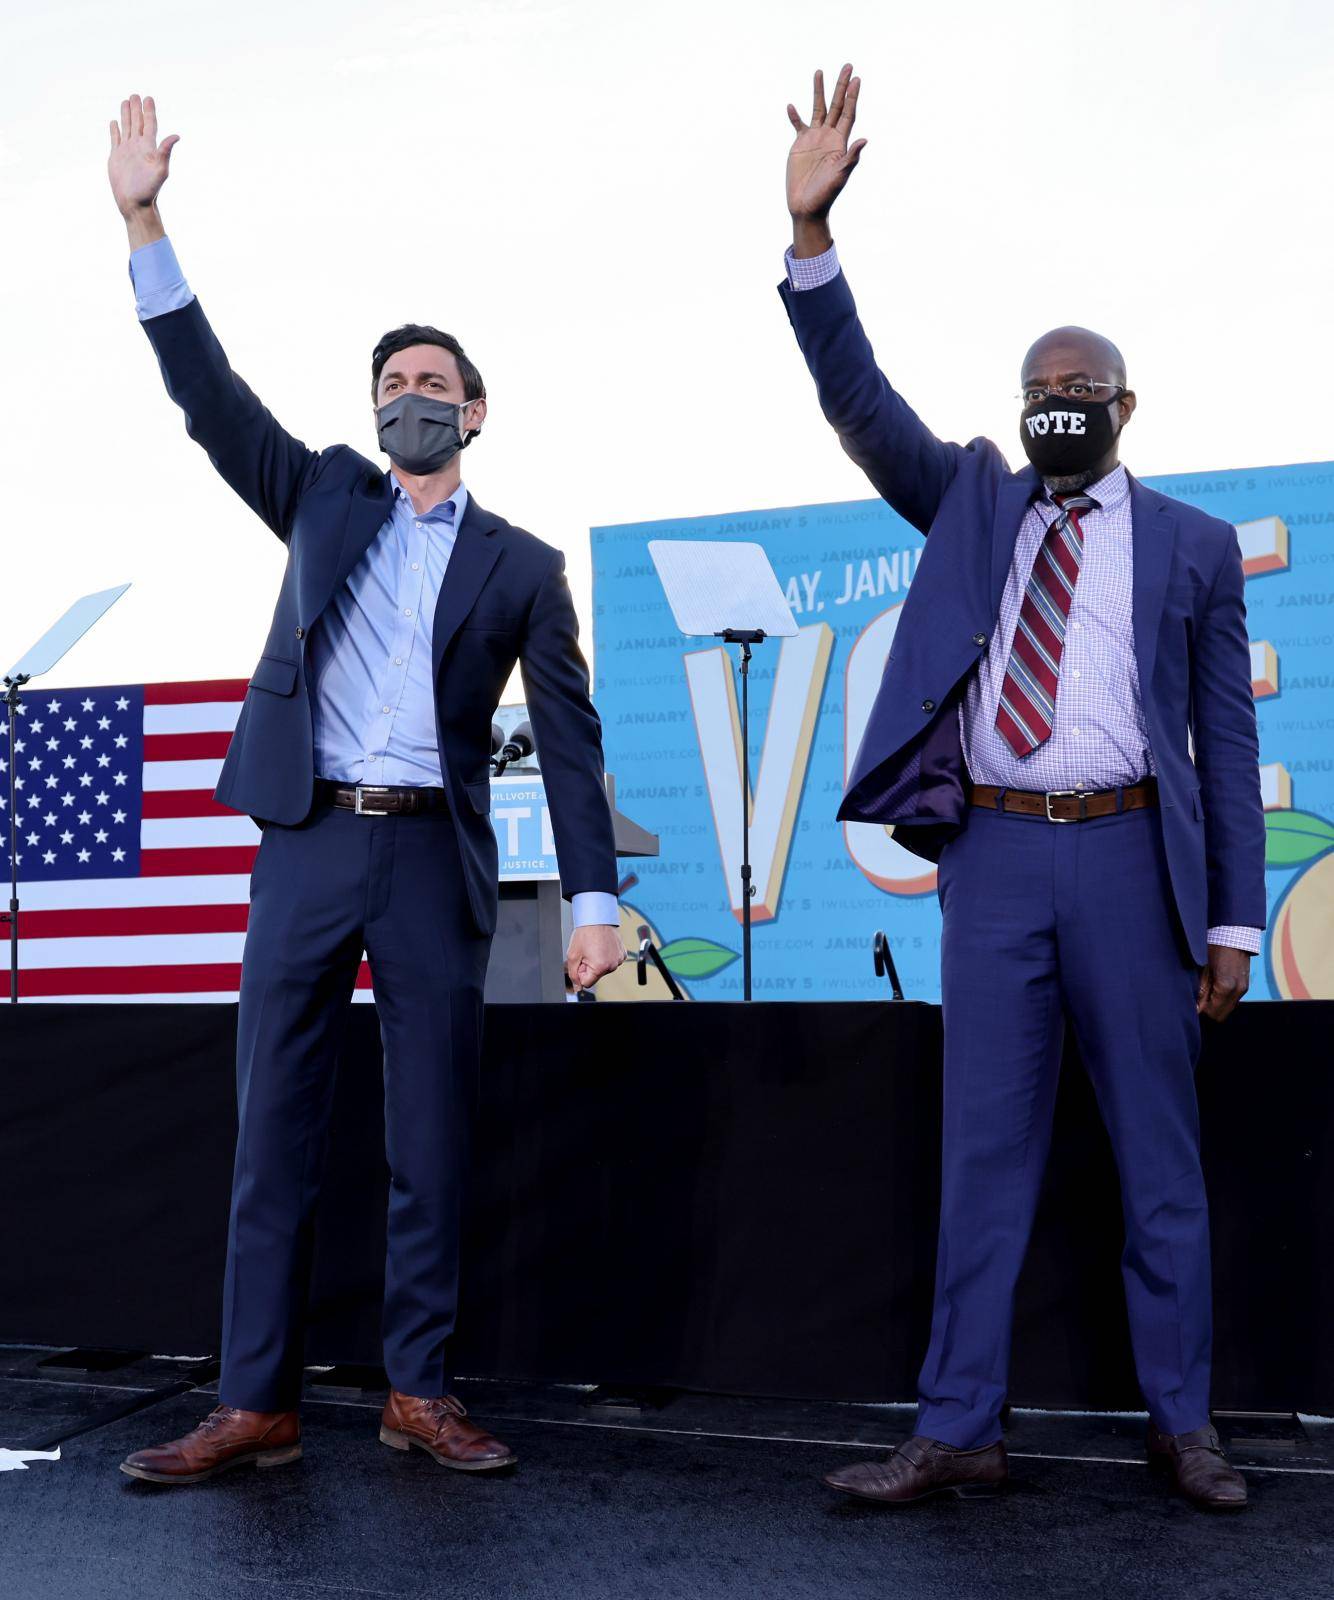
(176, 932)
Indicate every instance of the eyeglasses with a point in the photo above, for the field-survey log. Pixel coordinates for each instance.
(1076, 389)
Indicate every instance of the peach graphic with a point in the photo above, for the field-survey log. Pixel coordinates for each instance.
(1301, 934)
(689, 957)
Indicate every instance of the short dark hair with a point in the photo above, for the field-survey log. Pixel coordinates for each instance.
(421, 333)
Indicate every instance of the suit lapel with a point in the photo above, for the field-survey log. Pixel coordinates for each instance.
(1013, 500)
(1153, 540)
(372, 501)
(476, 550)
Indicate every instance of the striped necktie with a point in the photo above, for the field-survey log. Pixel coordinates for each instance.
(1027, 706)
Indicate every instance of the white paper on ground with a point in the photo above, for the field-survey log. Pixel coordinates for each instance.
(17, 1460)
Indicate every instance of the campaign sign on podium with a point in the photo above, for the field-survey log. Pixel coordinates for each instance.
(522, 824)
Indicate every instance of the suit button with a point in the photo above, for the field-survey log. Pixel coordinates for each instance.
(928, 705)
(301, 633)
(979, 639)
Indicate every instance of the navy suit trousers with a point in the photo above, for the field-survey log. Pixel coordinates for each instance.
(321, 892)
(1042, 922)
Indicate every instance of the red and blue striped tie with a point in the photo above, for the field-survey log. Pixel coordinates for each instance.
(1027, 706)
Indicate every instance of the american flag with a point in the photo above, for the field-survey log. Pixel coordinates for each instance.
(134, 883)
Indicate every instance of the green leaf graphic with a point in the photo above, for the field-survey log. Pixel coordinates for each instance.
(1295, 837)
(696, 958)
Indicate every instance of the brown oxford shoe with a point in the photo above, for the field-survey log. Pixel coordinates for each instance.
(440, 1428)
(225, 1438)
(1198, 1468)
(923, 1467)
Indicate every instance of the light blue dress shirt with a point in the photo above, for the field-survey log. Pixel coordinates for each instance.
(369, 654)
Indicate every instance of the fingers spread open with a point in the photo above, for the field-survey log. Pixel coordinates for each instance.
(125, 119)
(136, 115)
(150, 118)
(795, 120)
(854, 154)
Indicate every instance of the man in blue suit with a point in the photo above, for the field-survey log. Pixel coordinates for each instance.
(1066, 725)
(362, 750)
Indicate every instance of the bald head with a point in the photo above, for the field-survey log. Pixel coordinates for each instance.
(1067, 353)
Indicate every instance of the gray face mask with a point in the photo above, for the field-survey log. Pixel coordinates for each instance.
(420, 434)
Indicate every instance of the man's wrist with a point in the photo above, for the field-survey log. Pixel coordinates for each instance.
(143, 224)
(810, 236)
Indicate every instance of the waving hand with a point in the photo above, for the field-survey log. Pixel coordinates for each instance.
(821, 159)
(138, 165)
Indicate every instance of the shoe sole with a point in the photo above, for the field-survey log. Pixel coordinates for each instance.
(960, 1491)
(407, 1441)
(1162, 1466)
(260, 1458)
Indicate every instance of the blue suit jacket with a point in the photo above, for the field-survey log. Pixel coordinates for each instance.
(1189, 623)
(504, 598)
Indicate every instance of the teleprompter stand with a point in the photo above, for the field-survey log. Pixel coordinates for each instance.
(727, 590)
(53, 644)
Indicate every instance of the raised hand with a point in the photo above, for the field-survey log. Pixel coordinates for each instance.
(821, 160)
(138, 164)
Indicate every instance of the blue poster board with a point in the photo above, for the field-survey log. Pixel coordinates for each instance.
(669, 711)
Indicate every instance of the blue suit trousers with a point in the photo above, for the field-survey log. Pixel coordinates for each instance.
(1042, 922)
(322, 891)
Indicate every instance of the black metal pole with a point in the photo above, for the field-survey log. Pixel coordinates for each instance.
(745, 820)
(12, 702)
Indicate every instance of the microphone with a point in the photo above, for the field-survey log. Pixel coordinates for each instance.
(516, 747)
(497, 737)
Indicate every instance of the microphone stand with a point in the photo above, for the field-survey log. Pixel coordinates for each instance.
(12, 687)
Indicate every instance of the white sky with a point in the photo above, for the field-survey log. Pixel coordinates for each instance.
(590, 194)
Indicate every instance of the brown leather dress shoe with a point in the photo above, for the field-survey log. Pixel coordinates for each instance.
(225, 1438)
(923, 1467)
(1198, 1468)
(439, 1427)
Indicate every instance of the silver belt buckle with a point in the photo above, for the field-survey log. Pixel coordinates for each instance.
(1067, 794)
(370, 788)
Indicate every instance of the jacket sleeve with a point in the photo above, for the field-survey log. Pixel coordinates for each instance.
(1227, 752)
(266, 466)
(568, 735)
(907, 464)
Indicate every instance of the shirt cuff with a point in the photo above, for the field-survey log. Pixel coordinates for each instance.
(1247, 939)
(595, 906)
(811, 272)
(159, 284)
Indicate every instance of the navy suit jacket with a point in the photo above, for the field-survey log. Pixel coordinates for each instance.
(504, 598)
(1189, 618)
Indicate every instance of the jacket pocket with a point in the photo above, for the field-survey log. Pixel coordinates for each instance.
(480, 795)
(275, 675)
(1198, 805)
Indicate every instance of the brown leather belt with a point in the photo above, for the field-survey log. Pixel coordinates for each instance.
(1067, 805)
(380, 800)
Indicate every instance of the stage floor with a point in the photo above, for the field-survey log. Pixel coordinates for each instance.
(702, 1497)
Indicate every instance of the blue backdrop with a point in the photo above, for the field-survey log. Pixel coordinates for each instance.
(669, 712)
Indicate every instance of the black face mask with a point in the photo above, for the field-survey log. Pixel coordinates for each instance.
(1063, 438)
(420, 434)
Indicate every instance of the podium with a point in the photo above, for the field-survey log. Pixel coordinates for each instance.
(533, 924)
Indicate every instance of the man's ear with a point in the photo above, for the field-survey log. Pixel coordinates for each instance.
(1125, 406)
(476, 414)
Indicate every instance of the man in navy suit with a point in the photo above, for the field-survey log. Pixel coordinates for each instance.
(362, 750)
(1066, 725)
